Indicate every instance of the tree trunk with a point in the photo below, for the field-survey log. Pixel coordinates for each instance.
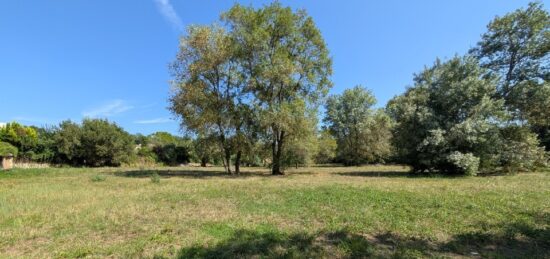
(228, 160)
(204, 161)
(277, 149)
(238, 162)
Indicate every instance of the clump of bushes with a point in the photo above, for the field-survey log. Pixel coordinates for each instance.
(467, 164)
(96, 142)
(7, 149)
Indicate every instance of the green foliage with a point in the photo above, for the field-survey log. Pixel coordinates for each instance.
(155, 178)
(44, 151)
(22, 137)
(301, 146)
(210, 87)
(96, 142)
(363, 133)
(98, 178)
(326, 152)
(7, 149)
(206, 149)
(165, 148)
(449, 121)
(467, 164)
(255, 80)
(67, 140)
(520, 150)
(287, 68)
(516, 47)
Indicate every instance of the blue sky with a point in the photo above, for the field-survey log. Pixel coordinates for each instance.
(68, 59)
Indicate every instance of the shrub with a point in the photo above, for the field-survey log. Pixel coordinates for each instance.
(7, 148)
(467, 164)
(520, 150)
(22, 137)
(155, 178)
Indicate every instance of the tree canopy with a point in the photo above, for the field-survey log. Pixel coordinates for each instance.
(450, 121)
(363, 133)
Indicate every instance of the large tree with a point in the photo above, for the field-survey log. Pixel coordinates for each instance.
(363, 133)
(209, 93)
(287, 64)
(450, 121)
(516, 47)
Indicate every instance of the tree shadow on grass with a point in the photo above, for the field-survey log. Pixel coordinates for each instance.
(516, 240)
(252, 244)
(203, 174)
(189, 173)
(397, 174)
(376, 174)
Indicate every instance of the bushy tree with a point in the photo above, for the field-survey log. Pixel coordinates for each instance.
(362, 132)
(67, 140)
(287, 64)
(450, 120)
(165, 148)
(327, 146)
(519, 149)
(96, 142)
(516, 47)
(7, 149)
(206, 149)
(209, 87)
(44, 151)
(24, 138)
(302, 145)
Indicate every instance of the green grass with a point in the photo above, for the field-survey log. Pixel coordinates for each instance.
(331, 212)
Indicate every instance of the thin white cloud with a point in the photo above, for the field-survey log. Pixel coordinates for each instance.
(109, 109)
(153, 121)
(167, 10)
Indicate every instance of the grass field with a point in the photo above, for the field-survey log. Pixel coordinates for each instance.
(332, 212)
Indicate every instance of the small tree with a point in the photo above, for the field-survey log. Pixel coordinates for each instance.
(362, 132)
(326, 152)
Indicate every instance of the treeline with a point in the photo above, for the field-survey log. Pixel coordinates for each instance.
(99, 142)
(94, 142)
(248, 91)
(253, 83)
